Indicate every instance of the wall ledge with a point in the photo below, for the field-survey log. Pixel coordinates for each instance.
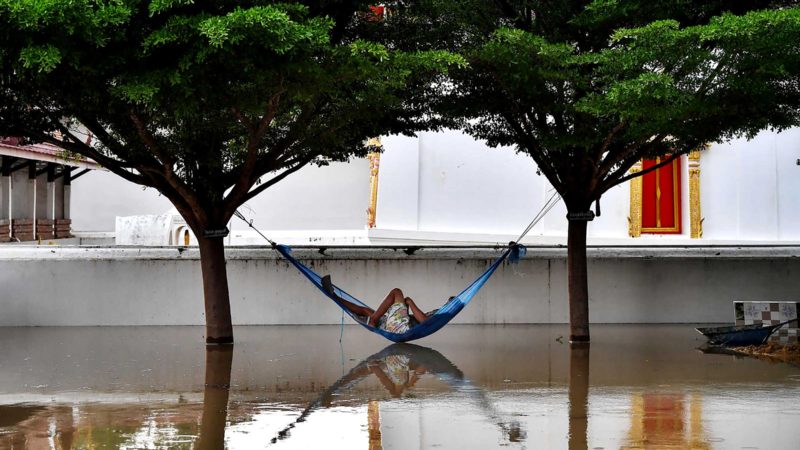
(113, 253)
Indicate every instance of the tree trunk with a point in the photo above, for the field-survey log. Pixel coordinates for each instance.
(219, 329)
(578, 283)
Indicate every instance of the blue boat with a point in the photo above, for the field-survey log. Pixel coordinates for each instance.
(740, 336)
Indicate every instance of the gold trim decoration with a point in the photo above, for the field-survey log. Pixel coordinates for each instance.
(374, 169)
(695, 213)
(635, 218)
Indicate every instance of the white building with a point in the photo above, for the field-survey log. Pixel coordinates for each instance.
(439, 188)
(449, 188)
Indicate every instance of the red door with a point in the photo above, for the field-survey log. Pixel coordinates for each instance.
(661, 197)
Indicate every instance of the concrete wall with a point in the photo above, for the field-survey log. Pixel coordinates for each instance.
(162, 286)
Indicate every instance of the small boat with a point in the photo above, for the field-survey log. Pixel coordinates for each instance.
(740, 336)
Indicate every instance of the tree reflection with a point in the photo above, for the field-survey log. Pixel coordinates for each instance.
(215, 397)
(578, 396)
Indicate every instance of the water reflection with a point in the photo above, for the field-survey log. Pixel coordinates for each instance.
(398, 368)
(62, 427)
(219, 360)
(578, 392)
(659, 420)
(467, 387)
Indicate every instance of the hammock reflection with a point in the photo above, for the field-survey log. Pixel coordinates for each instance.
(398, 367)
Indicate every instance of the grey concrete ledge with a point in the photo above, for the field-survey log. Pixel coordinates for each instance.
(100, 253)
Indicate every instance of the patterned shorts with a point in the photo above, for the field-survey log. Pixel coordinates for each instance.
(396, 319)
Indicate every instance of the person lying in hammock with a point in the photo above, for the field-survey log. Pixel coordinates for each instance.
(392, 315)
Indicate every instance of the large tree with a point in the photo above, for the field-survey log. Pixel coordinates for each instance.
(588, 88)
(209, 102)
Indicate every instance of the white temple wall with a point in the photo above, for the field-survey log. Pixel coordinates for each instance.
(447, 183)
(398, 184)
(465, 187)
(750, 190)
(98, 197)
(314, 198)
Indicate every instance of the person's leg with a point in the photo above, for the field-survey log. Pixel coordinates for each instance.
(415, 311)
(394, 296)
(358, 310)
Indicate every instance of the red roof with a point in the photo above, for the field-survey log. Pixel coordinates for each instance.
(10, 146)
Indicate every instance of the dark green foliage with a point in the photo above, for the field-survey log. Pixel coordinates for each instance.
(200, 98)
(589, 88)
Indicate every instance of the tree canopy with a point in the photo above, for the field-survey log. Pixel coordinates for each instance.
(203, 98)
(589, 88)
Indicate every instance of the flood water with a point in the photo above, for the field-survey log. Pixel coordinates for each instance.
(466, 387)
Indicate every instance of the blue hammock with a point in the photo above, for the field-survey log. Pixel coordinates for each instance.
(435, 321)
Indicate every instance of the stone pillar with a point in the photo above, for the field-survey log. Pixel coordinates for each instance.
(62, 222)
(5, 199)
(44, 205)
(58, 194)
(67, 189)
(23, 184)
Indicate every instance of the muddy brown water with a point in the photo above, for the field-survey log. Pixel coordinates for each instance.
(466, 387)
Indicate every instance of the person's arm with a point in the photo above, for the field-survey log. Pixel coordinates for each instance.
(418, 314)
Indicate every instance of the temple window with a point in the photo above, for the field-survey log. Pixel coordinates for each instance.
(656, 198)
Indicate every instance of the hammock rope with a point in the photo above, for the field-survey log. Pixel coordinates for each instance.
(548, 205)
(442, 316)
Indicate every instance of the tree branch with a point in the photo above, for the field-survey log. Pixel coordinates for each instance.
(609, 138)
(82, 148)
(628, 156)
(242, 119)
(246, 176)
(269, 113)
(149, 140)
(535, 151)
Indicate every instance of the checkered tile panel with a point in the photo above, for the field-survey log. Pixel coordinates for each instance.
(770, 313)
